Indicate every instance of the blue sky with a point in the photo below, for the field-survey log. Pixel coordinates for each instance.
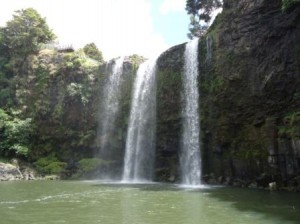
(118, 27)
(172, 22)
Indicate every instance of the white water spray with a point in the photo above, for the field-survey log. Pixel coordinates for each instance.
(140, 142)
(110, 105)
(190, 159)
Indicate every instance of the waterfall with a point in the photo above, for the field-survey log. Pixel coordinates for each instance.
(110, 106)
(140, 142)
(190, 159)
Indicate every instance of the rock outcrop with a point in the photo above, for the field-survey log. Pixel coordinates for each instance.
(249, 97)
(9, 172)
(169, 71)
(251, 91)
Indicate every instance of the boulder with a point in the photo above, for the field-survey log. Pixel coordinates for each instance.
(273, 186)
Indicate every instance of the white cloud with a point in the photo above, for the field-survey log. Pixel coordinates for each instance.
(118, 27)
(172, 6)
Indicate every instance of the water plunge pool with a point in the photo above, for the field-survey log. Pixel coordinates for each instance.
(79, 202)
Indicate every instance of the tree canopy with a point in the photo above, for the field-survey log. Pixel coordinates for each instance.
(25, 32)
(201, 14)
(93, 52)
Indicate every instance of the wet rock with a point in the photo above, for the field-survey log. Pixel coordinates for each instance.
(240, 183)
(29, 174)
(211, 179)
(237, 183)
(273, 186)
(228, 181)
(293, 184)
(52, 177)
(264, 180)
(221, 179)
(172, 178)
(252, 185)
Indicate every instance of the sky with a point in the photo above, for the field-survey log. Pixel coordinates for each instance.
(117, 27)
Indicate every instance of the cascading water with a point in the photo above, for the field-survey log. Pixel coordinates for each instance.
(190, 159)
(110, 106)
(140, 142)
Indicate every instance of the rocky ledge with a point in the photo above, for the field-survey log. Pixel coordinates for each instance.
(10, 172)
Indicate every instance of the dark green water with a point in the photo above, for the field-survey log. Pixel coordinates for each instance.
(42, 202)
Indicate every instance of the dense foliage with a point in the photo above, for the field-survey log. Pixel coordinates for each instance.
(47, 98)
(93, 52)
(24, 34)
(15, 135)
(201, 14)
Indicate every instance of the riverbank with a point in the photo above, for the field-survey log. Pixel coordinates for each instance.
(23, 171)
(264, 181)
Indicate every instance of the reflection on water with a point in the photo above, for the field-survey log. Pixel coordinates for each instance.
(95, 202)
(192, 208)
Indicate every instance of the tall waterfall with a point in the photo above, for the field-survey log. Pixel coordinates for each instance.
(110, 106)
(140, 142)
(190, 159)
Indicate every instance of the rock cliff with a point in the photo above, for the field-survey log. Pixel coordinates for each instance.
(249, 97)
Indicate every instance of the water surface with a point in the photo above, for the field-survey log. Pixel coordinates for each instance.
(45, 202)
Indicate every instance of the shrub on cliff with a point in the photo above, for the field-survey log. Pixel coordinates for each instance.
(15, 135)
(287, 4)
(93, 52)
(201, 12)
(50, 165)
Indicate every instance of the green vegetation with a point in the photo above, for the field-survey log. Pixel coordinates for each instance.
(201, 12)
(47, 99)
(93, 52)
(136, 60)
(291, 125)
(287, 4)
(50, 165)
(24, 34)
(217, 84)
(15, 135)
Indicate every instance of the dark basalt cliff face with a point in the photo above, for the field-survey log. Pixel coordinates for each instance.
(169, 86)
(249, 97)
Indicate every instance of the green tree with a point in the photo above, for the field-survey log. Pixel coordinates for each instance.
(14, 134)
(6, 92)
(23, 34)
(201, 12)
(93, 52)
(19, 39)
(136, 60)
